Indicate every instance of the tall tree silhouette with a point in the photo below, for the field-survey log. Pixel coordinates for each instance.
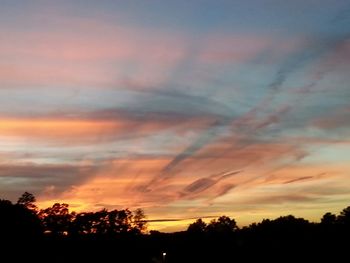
(28, 201)
(139, 222)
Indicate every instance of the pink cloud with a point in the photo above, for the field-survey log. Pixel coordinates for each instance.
(89, 53)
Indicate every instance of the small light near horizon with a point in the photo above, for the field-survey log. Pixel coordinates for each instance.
(164, 254)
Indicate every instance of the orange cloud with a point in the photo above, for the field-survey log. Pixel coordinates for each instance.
(60, 130)
(75, 130)
(273, 182)
(115, 184)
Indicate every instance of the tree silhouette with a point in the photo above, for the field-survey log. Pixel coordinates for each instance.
(344, 217)
(16, 221)
(120, 221)
(56, 219)
(329, 219)
(28, 201)
(82, 224)
(223, 224)
(108, 222)
(96, 236)
(199, 226)
(139, 222)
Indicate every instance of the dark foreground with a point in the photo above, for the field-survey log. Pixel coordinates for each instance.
(278, 245)
(55, 235)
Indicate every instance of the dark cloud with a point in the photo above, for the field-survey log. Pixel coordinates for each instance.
(225, 175)
(298, 179)
(202, 184)
(42, 179)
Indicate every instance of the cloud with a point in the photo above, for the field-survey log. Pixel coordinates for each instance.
(298, 179)
(247, 122)
(224, 189)
(109, 114)
(281, 199)
(97, 126)
(206, 137)
(313, 49)
(89, 54)
(201, 185)
(46, 180)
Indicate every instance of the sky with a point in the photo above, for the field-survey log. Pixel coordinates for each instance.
(183, 108)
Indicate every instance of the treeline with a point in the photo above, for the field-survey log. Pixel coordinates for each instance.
(55, 234)
(25, 219)
(226, 225)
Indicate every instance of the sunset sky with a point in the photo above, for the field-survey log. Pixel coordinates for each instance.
(183, 108)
